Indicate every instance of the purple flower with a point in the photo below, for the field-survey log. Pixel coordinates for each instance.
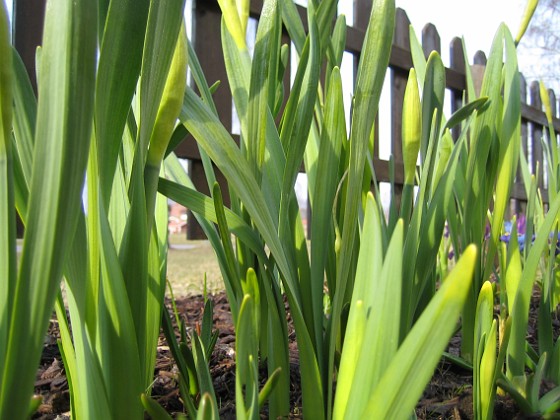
(521, 229)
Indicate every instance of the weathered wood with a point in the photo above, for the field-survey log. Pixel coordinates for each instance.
(431, 40)
(530, 113)
(400, 63)
(553, 102)
(355, 36)
(553, 109)
(536, 134)
(29, 16)
(362, 12)
(480, 58)
(27, 31)
(208, 44)
(518, 192)
(477, 71)
(399, 79)
(457, 63)
(524, 125)
(520, 205)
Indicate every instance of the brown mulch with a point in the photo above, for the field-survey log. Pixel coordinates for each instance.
(447, 396)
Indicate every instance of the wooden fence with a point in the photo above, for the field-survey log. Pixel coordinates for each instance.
(206, 39)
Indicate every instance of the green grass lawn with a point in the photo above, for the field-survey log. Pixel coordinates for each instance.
(187, 262)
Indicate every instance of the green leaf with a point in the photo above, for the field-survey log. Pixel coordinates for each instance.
(432, 101)
(418, 58)
(412, 367)
(411, 127)
(156, 411)
(527, 15)
(171, 103)
(231, 281)
(333, 134)
(164, 25)
(520, 312)
(263, 82)
(465, 112)
(484, 351)
(510, 144)
(120, 59)
(235, 22)
(380, 288)
(120, 349)
(206, 408)
(369, 267)
(25, 119)
(371, 73)
(268, 387)
(64, 119)
(297, 121)
(203, 371)
(246, 350)
(8, 263)
(202, 204)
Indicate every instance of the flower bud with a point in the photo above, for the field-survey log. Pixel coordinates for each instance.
(545, 99)
(411, 127)
(171, 101)
(527, 15)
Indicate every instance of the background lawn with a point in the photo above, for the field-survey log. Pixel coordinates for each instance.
(187, 263)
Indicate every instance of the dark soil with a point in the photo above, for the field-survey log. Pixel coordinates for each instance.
(447, 396)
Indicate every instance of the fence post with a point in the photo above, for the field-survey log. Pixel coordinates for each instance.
(399, 78)
(536, 134)
(521, 206)
(477, 70)
(431, 40)
(27, 31)
(456, 62)
(362, 12)
(207, 43)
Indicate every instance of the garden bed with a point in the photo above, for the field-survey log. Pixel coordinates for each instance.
(447, 396)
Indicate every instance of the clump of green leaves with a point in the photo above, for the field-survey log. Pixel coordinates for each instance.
(109, 96)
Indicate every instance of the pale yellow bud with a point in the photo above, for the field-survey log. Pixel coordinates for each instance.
(411, 127)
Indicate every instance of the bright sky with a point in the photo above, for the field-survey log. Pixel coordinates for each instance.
(475, 20)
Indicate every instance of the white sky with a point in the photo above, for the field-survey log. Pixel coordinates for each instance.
(475, 20)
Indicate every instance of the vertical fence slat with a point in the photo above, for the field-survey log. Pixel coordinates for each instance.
(27, 33)
(549, 140)
(553, 103)
(554, 107)
(457, 63)
(207, 43)
(207, 17)
(399, 78)
(520, 206)
(536, 134)
(208, 46)
(362, 12)
(431, 40)
(477, 70)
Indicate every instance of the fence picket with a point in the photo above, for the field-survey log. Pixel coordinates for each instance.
(536, 135)
(207, 43)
